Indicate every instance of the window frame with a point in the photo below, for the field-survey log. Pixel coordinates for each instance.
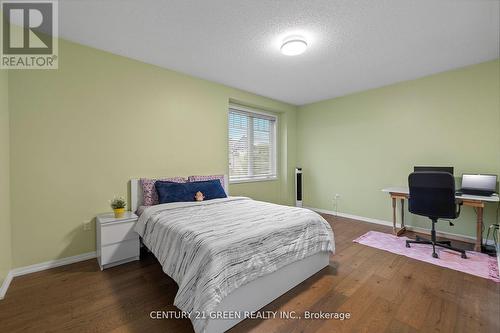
(274, 157)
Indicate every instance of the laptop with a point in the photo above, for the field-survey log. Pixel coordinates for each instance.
(484, 185)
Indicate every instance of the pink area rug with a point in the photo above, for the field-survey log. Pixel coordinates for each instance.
(478, 264)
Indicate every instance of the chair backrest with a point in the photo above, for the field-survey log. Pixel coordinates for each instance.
(432, 194)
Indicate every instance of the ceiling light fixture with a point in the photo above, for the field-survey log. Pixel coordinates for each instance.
(294, 45)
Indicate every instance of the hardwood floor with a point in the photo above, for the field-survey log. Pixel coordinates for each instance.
(382, 291)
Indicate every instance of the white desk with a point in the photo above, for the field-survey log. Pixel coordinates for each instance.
(476, 201)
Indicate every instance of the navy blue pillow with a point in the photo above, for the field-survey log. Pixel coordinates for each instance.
(182, 192)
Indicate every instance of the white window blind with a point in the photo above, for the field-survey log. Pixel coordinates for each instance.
(252, 145)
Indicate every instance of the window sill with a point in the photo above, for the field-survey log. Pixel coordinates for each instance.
(252, 180)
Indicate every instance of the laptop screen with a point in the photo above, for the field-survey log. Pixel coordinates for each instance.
(479, 182)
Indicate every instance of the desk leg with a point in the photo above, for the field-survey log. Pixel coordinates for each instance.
(394, 215)
(403, 227)
(402, 213)
(479, 230)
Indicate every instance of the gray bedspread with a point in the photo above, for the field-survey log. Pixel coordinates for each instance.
(210, 248)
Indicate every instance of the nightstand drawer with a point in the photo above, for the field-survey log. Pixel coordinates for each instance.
(118, 232)
(115, 252)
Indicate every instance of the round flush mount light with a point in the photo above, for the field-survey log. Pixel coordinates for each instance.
(293, 46)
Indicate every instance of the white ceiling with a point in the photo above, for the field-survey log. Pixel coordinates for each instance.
(354, 44)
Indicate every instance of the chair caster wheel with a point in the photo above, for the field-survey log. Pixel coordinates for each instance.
(434, 255)
(407, 245)
(464, 256)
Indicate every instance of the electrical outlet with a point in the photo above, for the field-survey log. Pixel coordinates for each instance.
(87, 226)
(336, 203)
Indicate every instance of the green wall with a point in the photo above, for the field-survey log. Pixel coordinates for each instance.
(79, 133)
(358, 144)
(5, 234)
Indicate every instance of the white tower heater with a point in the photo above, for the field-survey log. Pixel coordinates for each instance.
(298, 187)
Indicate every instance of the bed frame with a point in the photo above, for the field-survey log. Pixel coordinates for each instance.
(256, 294)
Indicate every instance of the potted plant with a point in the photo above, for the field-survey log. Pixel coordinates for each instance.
(118, 204)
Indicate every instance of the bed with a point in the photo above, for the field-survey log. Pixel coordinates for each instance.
(232, 256)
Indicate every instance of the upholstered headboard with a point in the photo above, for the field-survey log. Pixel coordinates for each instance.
(136, 198)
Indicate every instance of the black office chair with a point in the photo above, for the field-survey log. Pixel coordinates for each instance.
(432, 194)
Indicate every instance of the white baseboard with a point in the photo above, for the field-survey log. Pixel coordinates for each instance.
(52, 264)
(5, 285)
(449, 235)
(41, 267)
(351, 216)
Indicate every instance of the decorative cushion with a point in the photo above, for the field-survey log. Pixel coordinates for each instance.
(149, 191)
(210, 177)
(185, 192)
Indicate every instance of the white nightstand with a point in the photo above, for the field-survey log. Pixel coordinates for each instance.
(117, 242)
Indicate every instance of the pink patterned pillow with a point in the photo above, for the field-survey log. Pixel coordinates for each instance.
(150, 196)
(211, 177)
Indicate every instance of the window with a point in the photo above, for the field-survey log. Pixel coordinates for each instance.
(252, 145)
